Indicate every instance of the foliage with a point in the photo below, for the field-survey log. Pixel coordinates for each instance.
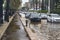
(35, 1)
(32, 10)
(14, 4)
(39, 11)
(57, 8)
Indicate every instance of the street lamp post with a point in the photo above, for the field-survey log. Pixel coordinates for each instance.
(39, 4)
(1, 11)
(49, 7)
(7, 11)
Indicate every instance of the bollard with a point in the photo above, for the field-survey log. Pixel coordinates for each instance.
(26, 23)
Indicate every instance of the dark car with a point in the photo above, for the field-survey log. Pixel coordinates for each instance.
(35, 17)
(43, 16)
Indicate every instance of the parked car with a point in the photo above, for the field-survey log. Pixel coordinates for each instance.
(43, 16)
(22, 14)
(53, 18)
(27, 15)
(35, 17)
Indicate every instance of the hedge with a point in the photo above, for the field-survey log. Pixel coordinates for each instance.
(42, 11)
(39, 11)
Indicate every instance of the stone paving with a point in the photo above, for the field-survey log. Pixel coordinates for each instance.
(4, 26)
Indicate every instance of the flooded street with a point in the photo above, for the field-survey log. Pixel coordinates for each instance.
(54, 25)
(54, 31)
(40, 29)
(44, 30)
(49, 31)
(29, 19)
(16, 31)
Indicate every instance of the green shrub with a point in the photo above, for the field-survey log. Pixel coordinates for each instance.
(32, 11)
(42, 11)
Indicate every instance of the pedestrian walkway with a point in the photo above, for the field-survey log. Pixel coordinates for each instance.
(4, 26)
(22, 34)
(19, 34)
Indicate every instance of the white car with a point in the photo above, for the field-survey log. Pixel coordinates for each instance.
(53, 18)
(22, 15)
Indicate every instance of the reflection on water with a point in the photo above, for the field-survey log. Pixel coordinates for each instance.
(16, 31)
(54, 25)
(49, 32)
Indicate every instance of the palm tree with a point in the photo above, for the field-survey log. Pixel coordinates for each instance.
(1, 11)
(57, 7)
(43, 5)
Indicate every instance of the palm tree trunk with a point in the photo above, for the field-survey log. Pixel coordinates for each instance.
(42, 4)
(1, 11)
(7, 11)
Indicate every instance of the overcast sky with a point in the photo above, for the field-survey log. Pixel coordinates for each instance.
(23, 1)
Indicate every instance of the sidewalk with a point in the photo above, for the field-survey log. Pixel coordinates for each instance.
(20, 34)
(5, 26)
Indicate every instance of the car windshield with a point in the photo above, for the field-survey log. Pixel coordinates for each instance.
(35, 15)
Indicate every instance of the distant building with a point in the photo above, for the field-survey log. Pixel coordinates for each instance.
(33, 4)
(27, 4)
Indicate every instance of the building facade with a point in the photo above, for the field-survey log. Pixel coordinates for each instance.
(38, 4)
(35, 4)
(27, 4)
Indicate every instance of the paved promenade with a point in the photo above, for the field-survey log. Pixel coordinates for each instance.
(4, 26)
